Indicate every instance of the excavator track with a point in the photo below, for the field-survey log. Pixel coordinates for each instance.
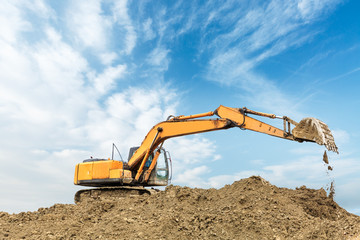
(110, 193)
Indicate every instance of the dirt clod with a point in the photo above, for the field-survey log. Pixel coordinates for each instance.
(251, 208)
(325, 158)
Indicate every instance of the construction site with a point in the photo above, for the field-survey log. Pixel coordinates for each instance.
(126, 205)
(205, 119)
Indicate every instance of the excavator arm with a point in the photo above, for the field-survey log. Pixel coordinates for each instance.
(228, 118)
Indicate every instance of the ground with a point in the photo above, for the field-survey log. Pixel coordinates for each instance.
(250, 208)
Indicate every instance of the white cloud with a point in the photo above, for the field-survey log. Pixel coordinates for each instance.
(122, 18)
(258, 162)
(41, 9)
(125, 120)
(221, 180)
(107, 58)
(310, 9)
(341, 76)
(193, 150)
(38, 77)
(192, 177)
(348, 193)
(105, 81)
(344, 166)
(228, 69)
(341, 136)
(59, 64)
(129, 115)
(190, 156)
(158, 57)
(148, 31)
(56, 110)
(11, 22)
(255, 36)
(89, 26)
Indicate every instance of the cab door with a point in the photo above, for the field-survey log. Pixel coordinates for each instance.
(160, 174)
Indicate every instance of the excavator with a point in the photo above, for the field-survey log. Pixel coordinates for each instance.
(145, 167)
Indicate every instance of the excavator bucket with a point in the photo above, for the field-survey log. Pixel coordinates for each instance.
(312, 129)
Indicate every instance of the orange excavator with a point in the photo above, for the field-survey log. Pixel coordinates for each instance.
(145, 167)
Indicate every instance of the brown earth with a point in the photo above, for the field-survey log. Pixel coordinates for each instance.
(251, 208)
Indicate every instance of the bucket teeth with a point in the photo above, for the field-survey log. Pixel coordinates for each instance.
(313, 129)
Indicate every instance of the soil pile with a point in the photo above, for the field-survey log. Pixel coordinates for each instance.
(251, 208)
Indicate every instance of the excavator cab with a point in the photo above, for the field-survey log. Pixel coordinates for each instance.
(161, 174)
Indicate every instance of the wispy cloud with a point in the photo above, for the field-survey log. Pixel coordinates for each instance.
(310, 9)
(12, 22)
(341, 76)
(148, 30)
(105, 81)
(261, 33)
(159, 58)
(108, 58)
(122, 18)
(192, 177)
(240, 37)
(89, 27)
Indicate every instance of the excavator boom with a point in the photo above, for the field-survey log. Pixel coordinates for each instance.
(229, 117)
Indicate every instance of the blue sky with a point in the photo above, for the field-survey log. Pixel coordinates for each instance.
(77, 76)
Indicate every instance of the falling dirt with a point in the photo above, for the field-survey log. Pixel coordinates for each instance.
(325, 158)
(251, 208)
(332, 190)
(331, 185)
(326, 161)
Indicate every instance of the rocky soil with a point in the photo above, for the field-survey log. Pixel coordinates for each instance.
(251, 208)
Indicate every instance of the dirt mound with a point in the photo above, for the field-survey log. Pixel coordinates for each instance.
(251, 208)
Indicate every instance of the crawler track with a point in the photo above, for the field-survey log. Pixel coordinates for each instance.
(110, 193)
